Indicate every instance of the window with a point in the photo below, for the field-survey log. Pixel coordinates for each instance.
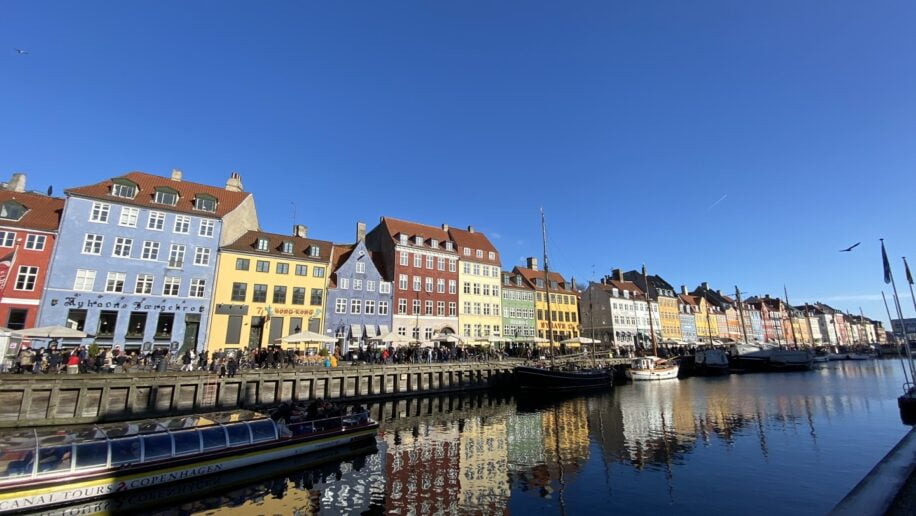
(402, 281)
(403, 238)
(340, 306)
(449, 246)
(370, 286)
(476, 289)
(150, 250)
(182, 224)
(26, 278)
(242, 264)
(466, 308)
(136, 325)
(164, 325)
(429, 307)
(205, 203)
(355, 306)
(417, 260)
(434, 243)
(466, 287)
(260, 293)
(76, 319)
(207, 227)
(122, 247)
(279, 295)
(385, 287)
(125, 190)
(85, 280)
(92, 244)
(129, 216)
(316, 297)
(491, 255)
(383, 307)
(35, 242)
(262, 244)
(466, 268)
(440, 308)
(262, 266)
(171, 286)
(452, 265)
(166, 196)
(318, 272)
(298, 295)
(176, 256)
(202, 256)
(282, 268)
(467, 251)
(418, 240)
(156, 221)
(12, 210)
(239, 291)
(115, 282)
(314, 250)
(302, 270)
(99, 212)
(480, 253)
(440, 286)
(370, 307)
(452, 286)
(405, 257)
(144, 284)
(198, 286)
(452, 309)
(440, 263)
(429, 262)
(416, 307)
(360, 267)
(357, 284)
(416, 283)
(402, 306)
(344, 283)
(476, 269)
(108, 321)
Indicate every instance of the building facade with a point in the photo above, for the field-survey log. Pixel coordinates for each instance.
(687, 314)
(610, 308)
(28, 231)
(662, 293)
(563, 313)
(134, 264)
(479, 302)
(517, 308)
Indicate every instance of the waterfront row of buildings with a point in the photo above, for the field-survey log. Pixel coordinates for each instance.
(140, 259)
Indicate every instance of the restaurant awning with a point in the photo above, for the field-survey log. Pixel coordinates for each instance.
(356, 331)
(383, 329)
(370, 331)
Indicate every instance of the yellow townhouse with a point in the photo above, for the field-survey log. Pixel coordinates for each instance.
(479, 316)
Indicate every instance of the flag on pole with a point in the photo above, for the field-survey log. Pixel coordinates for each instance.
(909, 277)
(6, 263)
(887, 264)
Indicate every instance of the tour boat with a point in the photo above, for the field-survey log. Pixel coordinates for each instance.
(710, 362)
(652, 368)
(96, 461)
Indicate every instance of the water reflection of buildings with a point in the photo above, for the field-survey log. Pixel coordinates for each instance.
(484, 465)
(422, 470)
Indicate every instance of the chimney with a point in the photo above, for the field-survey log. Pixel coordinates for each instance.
(360, 231)
(718, 292)
(234, 183)
(470, 229)
(618, 274)
(176, 175)
(705, 285)
(300, 231)
(17, 183)
(532, 263)
(445, 227)
(684, 290)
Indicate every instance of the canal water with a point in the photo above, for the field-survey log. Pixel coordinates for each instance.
(780, 443)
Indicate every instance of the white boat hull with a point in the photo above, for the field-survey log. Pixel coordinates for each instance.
(642, 375)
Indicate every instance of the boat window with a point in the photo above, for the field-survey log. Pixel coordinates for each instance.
(262, 430)
(238, 434)
(16, 463)
(186, 442)
(125, 451)
(91, 455)
(54, 459)
(156, 446)
(214, 437)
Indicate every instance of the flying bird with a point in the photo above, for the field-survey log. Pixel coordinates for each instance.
(21, 51)
(850, 248)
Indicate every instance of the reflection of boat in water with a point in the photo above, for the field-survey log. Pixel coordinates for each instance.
(42, 467)
(710, 362)
(652, 368)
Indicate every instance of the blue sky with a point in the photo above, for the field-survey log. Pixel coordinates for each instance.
(732, 142)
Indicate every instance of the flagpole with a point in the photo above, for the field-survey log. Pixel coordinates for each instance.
(890, 319)
(889, 274)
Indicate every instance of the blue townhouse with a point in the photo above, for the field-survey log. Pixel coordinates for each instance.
(134, 265)
(359, 297)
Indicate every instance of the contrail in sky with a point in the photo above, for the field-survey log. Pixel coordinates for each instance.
(713, 205)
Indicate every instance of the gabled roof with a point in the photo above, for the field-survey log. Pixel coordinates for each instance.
(42, 212)
(634, 290)
(248, 243)
(512, 276)
(395, 227)
(227, 200)
(531, 276)
(688, 299)
(342, 252)
(655, 282)
(474, 240)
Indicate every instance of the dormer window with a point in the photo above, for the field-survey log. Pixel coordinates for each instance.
(449, 246)
(553, 285)
(262, 244)
(418, 240)
(518, 280)
(467, 251)
(204, 202)
(434, 243)
(124, 188)
(403, 239)
(491, 255)
(287, 248)
(12, 210)
(539, 282)
(480, 253)
(166, 196)
(506, 279)
(314, 251)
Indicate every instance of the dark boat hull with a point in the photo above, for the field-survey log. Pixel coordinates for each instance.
(540, 379)
(710, 370)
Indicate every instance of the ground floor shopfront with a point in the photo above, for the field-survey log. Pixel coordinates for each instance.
(18, 314)
(245, 326)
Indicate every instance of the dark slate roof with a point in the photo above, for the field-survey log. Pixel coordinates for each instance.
(248, 243)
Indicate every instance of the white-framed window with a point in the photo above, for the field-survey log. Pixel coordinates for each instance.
(85, 280)
(370, 307)
(205, 203)
(155, 221)
(384, 287)
(99, 212)
(198, 287)
(452, 265)
(35, 242)
(26, 278)
(92, 244)
(360, 267)
(129, 216)
(357, 284)
(440, 263)
(403, 238)
(7, 238)
(486, 289)
(207, 227)
(402, 281)
(340, 306)
(449, 246)
(176, 255)
(466, 267)
(202, 256)
(416, 283)
(370, 286)
(452, 286)
(429, 262)
(440, 308)
(416, 306)
(166, 197)
(122, 247)
(144, 284)
(476, 269)
(405, 258)
(171, 286)
(286, 248)
(417, 260)
(124, 190)
(480, 253)
(467, 251)
(150, 250)
(402, 306)
(429, 284)
(115, 282)
(429, 307)
(182, 224)
(344, 283)
(262, 245)
(491, 255)
(440, 286)
(418, 240)
(434, 243)
(383, 307)
(355, 306)
(452, 309)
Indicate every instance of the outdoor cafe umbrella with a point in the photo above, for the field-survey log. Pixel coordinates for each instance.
(451, 338)
(305, 336)
(50, 332)
(492, 340)
(579, 340)
(394, 337)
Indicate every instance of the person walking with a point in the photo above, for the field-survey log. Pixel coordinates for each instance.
(25, 358)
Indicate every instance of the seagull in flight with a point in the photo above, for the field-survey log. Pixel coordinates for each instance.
(21, 51)
(850, 248)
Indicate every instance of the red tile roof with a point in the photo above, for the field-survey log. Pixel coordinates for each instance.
(635, 291)
(531, 276)
(42, 212)
(512, 275)
(226, 200)
(248, 243)
(474, 240)
(688, 299)
(394, 227)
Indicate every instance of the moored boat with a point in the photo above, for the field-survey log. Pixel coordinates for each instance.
(652, 368)
(710, 362)
(554, 379)
(45, 467)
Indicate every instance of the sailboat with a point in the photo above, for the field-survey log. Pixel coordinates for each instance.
(554, 378)
(651, 367)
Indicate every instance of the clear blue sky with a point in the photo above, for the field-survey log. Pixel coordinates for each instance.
(626, 121)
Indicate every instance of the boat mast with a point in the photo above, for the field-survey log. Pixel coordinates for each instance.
(591, 320)
(810, 328)
(741, 313)
(547, 287)
(645, 279)
(785, 291)
(708, 321)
